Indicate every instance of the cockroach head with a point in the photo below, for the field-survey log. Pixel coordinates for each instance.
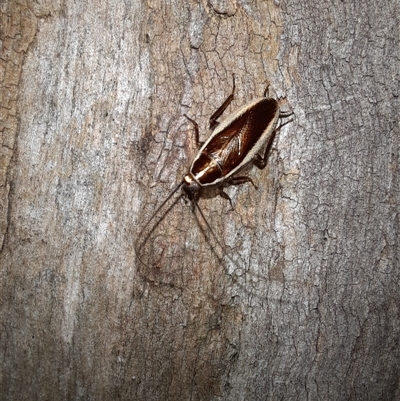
(191, 187)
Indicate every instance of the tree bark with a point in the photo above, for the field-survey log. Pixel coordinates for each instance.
(297, 299)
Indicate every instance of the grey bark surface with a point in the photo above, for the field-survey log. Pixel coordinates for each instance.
(306, 306)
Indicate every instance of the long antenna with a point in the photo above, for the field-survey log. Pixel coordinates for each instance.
(213, 234)
(138, 242)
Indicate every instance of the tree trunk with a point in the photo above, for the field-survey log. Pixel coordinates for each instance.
(295, 297)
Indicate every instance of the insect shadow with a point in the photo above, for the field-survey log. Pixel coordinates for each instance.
(242, 139)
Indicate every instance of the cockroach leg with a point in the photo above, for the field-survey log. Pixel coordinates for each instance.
(261, 161)
(224, 195)
(196, 131)
(241, 180)
(222, 108)
(284, 114)
(266, 91)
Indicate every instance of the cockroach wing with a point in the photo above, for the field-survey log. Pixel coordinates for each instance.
(242, 135)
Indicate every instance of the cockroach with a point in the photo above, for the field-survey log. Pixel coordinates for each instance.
(234, 143)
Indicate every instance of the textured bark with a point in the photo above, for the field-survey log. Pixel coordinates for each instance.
(306, 306)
